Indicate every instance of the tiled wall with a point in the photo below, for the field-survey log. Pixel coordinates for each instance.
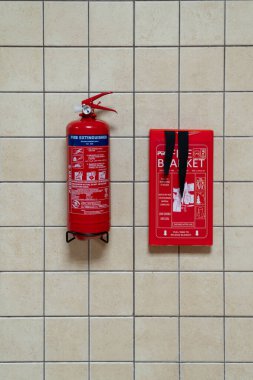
(124, 311)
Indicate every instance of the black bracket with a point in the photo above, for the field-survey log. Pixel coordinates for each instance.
(71, 235)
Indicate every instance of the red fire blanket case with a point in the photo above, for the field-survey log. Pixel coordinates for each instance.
(181, 187)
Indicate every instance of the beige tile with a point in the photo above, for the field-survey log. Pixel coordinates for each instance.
(56, 159)
(239, 29)
(56, 204)
(21, 294)
(156, 23)
(202, 69)
(158, 371)
(23, 334)
(218, 159)
(121, 159)
(109, 371)
(21, 204)
(147, 115)
(21, 249)
(59, 111)
(21, 23)
(201, 294)
(238, 204)
(202, 339)
(122, 204)
(66, 293)
(111, 24)
(156, 339)
(153, 258)
(21, 159)
(66, 339)
(239, 294)
(207, 371)
(239, 339)
(66, 371)
(70, 76)
(27, 61)
(22, 371)
(30, 114)
(202, 23)
(156, 69)
(117, 255)
(218, 204)
(238, 248)
(62, 256)
(239, 114)
(111, 69)
(111, 339)
(202, 111)
(238, 157)
(156, 294)
(203, 258)
(111, 294)
(239, 371)
(239, 68)
(141, 159)
(141, 204)
(66, 23)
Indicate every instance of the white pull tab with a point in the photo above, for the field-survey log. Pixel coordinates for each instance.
(78, 108)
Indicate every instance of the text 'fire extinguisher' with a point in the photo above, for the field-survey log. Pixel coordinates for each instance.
(88, 174)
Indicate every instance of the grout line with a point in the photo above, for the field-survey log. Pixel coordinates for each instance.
(129, 316)
(134, 201)
(62, 92)
(179, 125)
(175, 46)
(100, 271)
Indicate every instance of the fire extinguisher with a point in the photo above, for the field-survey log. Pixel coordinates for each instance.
(88, 174)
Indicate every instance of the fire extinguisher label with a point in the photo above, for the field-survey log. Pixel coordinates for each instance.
(88, 174)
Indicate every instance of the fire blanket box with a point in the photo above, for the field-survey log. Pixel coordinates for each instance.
(181, 187)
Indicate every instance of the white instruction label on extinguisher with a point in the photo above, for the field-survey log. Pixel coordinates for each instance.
(88, 174)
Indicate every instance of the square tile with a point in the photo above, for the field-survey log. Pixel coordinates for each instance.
(201, 69)
(201, 294)
(21, 159)
(203, 258)
(156, 23)
(238, 157)
(111, 69)
(239, 29)
(70, 76)
(66, 293)
(122, 204)
(202, 111)
(113, 256)
(141, 204)
(238, 203)
(111, 23)
(66, 339)
(56, 204)
(156, 339)
(158, 371)
(122, 154)
(107, 298)
(21, 204)
(202, 23)
(218, 159)
(18, 371)
(18, 251)
(156, 294)
(239, 371)
(26, 335)
(201, 371)
(239, 339)
(151, 257)
(156, 69)
(146, 115)
(111, 339)
(238, 246)
(238, 297)
(218, 204)
(21, 60)
(239, 112)
(239, 71)
(55, 159)
(59, 26)
(141, 159)
(62, 256)
(202, 339)
(109, 371)
(30, 114)
(66, 371)
(21, 294)
(21, 23)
